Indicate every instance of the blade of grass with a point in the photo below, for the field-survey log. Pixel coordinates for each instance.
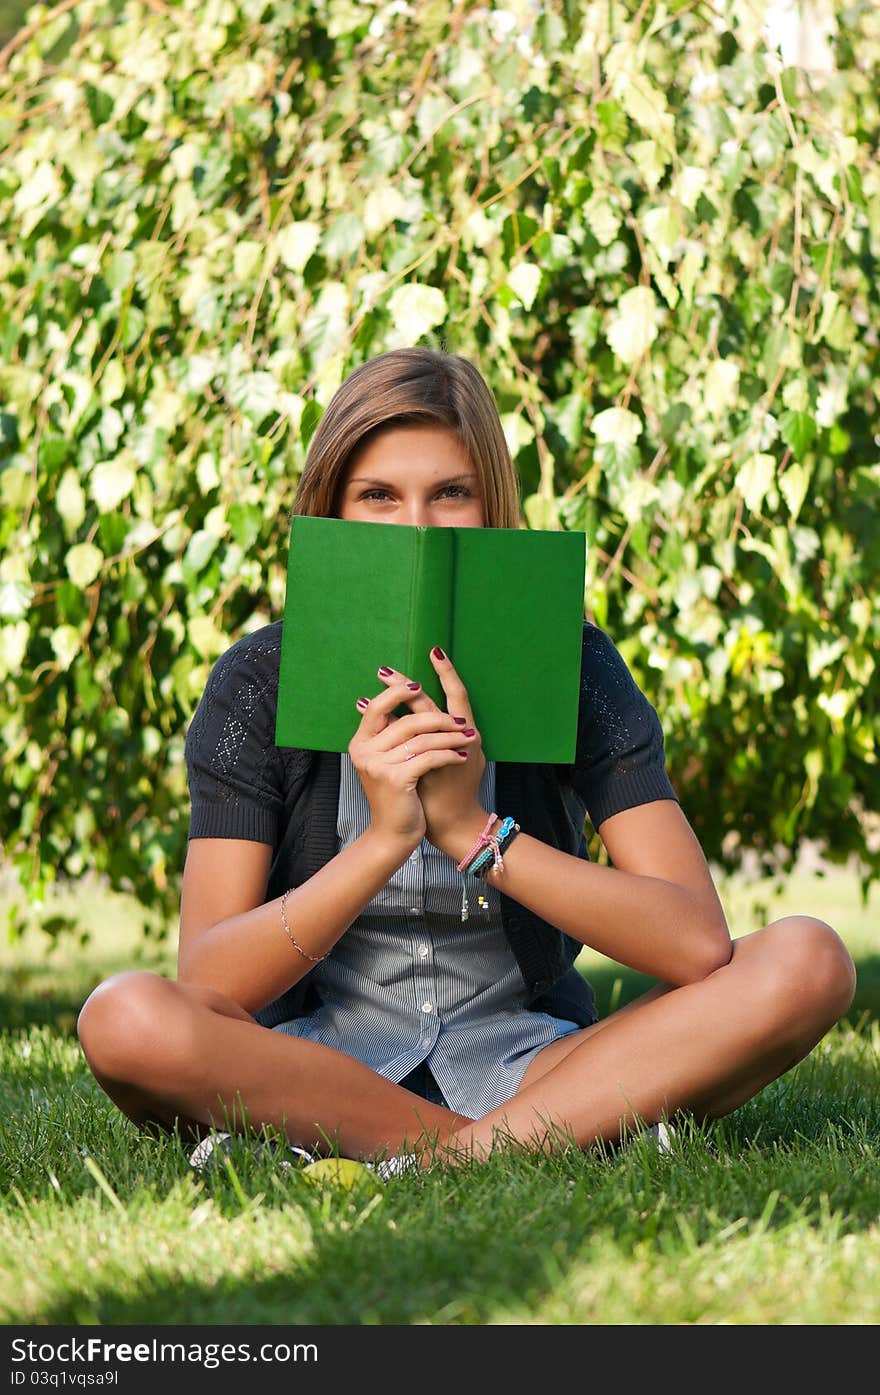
(92, 1167)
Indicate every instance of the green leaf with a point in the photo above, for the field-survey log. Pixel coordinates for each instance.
(416, 309)
(199, 551)
(524, 280)
(642, 101)
(584, 325)
(343, 238)
(541, 512)
(616, 425)
(205, 636)
(111, 482)
(754, 479)
(633, 329)
(246, 520)
(15, 487)
(854, 186)
(311, 415)
(84, 562)
(798, 430)
(247, 260)
(326, 323)
(767, 140)
(793, 485)
(619, 460)
(66, 643)
(664, 230)
(70, 501)
(296, 243)
(516, 231)
(612, 122)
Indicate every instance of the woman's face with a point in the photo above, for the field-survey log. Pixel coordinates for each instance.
(418, 475)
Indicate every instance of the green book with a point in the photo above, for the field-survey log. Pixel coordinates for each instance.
(506, 605)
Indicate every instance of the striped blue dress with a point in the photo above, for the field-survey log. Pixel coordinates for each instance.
(410, 983)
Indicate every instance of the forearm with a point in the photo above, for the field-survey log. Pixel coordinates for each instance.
(250, 957)
(646, 923)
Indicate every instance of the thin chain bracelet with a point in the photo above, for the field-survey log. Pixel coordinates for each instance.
(289, 935)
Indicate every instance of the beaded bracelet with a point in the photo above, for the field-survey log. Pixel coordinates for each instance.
(508, 830)
(493, 856)
(479, 845)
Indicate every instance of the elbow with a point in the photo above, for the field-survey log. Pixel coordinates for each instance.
(219, 996)
(196, 970)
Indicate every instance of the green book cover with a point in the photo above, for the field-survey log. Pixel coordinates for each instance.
(506, 605)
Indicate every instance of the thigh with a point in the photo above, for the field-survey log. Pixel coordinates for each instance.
(550, 1056)
(763, 960)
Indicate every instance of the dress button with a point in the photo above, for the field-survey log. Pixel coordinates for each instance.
(414, 857)
(414, 910)
(423, 951)
(427, 1007)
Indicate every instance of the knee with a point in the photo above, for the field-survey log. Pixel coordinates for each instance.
(128, 1022)
(809, 972)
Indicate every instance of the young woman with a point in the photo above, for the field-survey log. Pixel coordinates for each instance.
(327, 985)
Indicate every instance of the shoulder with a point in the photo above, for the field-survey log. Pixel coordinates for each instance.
(614, 713)
(241, 685)
(604, 670)
(249, 668)
(259, 650)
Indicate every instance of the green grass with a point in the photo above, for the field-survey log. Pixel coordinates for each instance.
(768, 1216)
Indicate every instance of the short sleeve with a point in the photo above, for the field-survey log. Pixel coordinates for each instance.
(620, 760)
(234, 769)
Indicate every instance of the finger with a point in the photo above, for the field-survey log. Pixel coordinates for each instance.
(457, 700)
(387, 730)
(417, 745)
(417, 724)
(411, 770)
(417, 697)
(378, 710)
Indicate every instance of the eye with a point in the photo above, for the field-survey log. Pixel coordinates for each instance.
(457, 489)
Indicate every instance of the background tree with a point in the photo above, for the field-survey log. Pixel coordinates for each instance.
(657, 242)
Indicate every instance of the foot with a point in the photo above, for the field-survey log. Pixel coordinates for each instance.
(394, 1166)
(664, 1134)
(214, 1145)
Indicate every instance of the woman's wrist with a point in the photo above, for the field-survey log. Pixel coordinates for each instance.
(462, 838)
(395, 847)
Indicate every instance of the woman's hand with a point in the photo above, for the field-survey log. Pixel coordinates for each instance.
(392, 754)
(448, 791)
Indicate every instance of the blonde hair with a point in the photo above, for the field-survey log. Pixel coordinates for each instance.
(410, 387)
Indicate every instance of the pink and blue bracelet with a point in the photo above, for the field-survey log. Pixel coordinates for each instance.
(486, 850)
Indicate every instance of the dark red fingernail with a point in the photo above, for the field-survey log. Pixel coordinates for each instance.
(362, 702)
(414, 686)
(463, 753)
(469, 731)
(438, 652)
(385, 672)
(461, 720)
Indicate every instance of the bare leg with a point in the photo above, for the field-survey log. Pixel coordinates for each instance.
(166, 1051)
(704, 1048)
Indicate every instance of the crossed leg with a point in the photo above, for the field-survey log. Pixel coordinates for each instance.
(704, 1048)
(165, 1052)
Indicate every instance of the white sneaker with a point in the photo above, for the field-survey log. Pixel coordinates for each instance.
(394, 1166)
(209, 1149)
(212, 1147)
(664, 1134)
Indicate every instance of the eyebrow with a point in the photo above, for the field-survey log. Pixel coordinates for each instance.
(453, 479)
